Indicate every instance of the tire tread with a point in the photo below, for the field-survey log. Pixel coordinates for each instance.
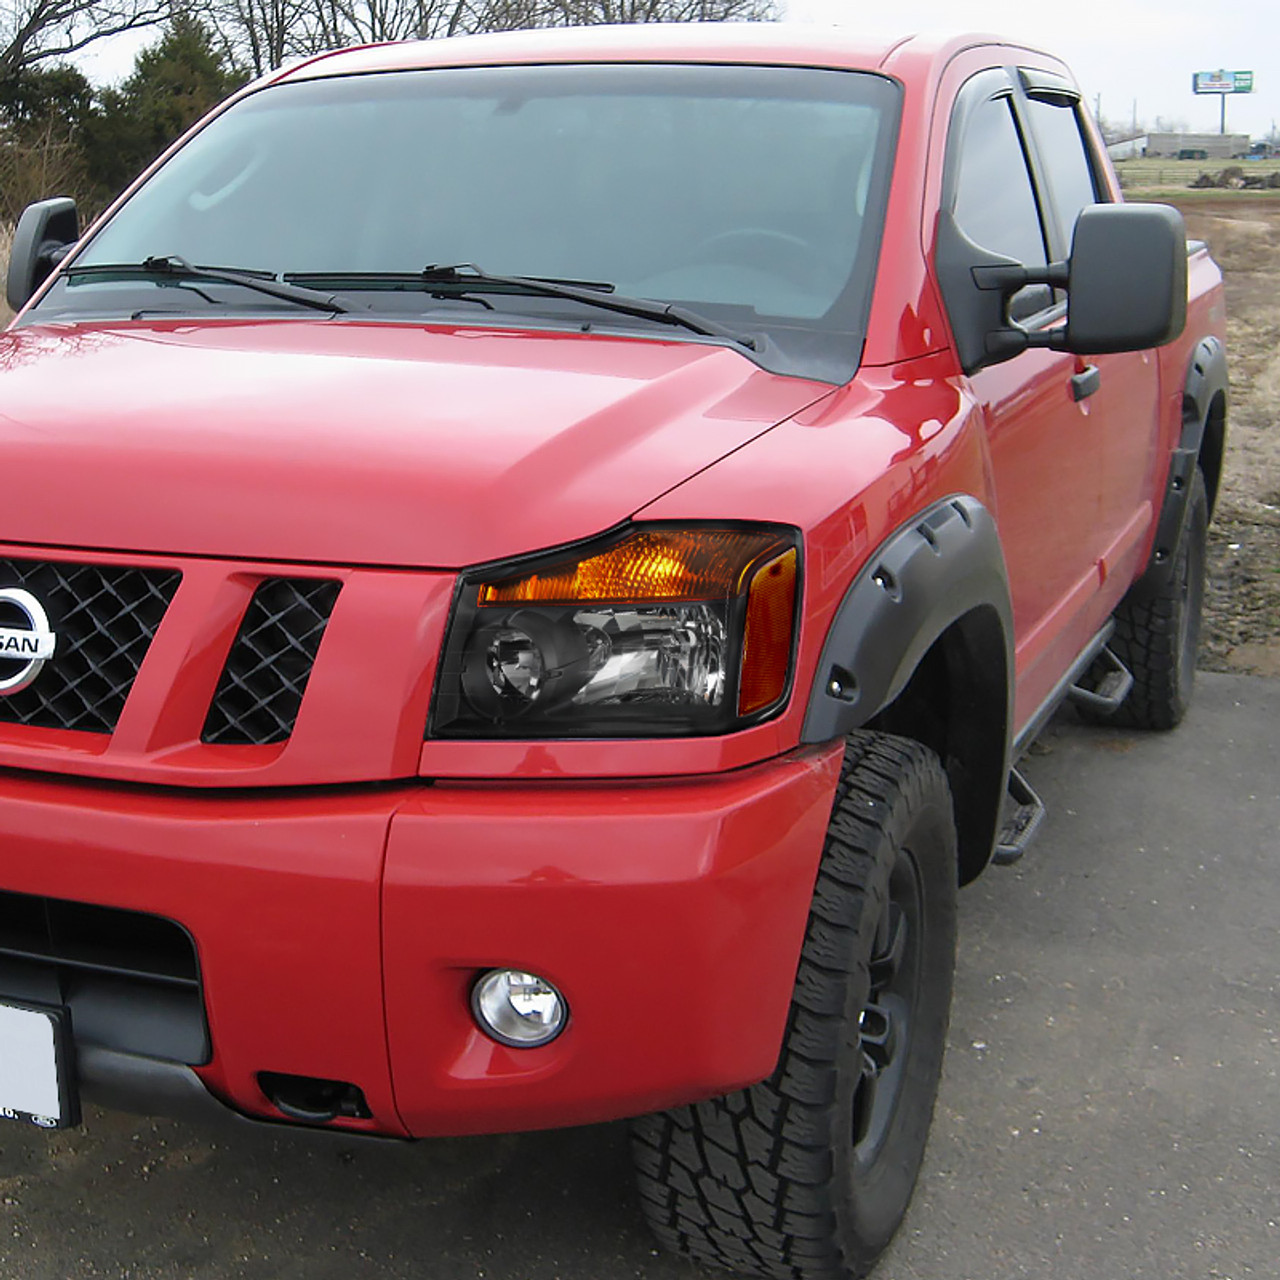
(747, 1181)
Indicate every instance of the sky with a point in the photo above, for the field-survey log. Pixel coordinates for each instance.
(1126, 53)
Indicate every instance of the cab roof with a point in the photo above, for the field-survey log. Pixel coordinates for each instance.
(790, 44)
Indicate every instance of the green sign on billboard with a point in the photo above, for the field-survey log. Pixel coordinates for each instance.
(1222, 82)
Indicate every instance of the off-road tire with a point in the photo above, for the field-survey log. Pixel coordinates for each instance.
(803, 1176)
(1157, 636)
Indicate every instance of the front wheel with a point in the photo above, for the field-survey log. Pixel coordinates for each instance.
(807, 1175)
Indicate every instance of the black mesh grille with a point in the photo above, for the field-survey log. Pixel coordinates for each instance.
(261, 689)
(105, 617)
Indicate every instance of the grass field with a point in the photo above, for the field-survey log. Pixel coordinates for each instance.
(1162, 174)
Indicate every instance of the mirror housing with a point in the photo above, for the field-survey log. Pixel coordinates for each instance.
(1126, 285)
(46, 233)
(1127, 282)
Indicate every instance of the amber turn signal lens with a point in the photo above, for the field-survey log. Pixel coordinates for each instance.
(650, 564)
(766, 646)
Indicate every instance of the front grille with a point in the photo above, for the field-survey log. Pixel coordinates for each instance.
(105, 617)
(261, 688)
(131, 980)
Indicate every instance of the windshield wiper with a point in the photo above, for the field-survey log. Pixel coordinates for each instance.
(466, 277)
(466, 274)
(170, 266)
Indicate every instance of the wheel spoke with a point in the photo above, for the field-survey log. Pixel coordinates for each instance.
(878, 1034)
(890, 948)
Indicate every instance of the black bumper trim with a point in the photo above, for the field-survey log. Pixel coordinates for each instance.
(149, 1087)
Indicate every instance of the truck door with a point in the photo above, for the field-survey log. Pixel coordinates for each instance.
(1044, 439)
(1125, 401)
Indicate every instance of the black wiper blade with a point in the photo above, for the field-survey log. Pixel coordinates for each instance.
(430, 277)
(172, 266)
(466, 275)
(464, 271)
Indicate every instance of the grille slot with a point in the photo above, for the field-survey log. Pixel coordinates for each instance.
(105, 617)
(97, 939)
(261, 688)
(131, 980)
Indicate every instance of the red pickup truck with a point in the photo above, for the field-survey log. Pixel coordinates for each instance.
(529, 563)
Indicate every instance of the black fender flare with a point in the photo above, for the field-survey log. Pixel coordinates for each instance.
(1206, 379)
(925, 577)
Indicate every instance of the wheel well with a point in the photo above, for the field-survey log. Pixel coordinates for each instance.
(956, 703)
(1212, 444)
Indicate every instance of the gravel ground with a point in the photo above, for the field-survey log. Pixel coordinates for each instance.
(1242, 631)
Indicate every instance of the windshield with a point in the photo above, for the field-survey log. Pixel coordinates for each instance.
(749, 194)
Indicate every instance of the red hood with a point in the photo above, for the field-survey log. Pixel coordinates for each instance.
(357, 443)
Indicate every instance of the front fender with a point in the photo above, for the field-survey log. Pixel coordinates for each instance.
(945, 564)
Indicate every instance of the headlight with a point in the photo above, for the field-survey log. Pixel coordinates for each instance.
(655, 630)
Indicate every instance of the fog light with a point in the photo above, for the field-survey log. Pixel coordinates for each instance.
(519, 1009)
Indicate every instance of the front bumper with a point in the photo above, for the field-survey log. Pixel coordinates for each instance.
(338, 932)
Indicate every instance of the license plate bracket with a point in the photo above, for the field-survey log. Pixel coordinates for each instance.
(37, 1066)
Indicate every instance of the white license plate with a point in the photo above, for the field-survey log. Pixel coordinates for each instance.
(35, 1067)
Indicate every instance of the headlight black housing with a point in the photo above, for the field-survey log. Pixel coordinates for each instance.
(661, 630)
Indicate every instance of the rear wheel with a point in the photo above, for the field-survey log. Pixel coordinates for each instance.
(807, 1175)
(1157, 637)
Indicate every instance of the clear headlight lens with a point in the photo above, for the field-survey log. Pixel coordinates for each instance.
(662, 630)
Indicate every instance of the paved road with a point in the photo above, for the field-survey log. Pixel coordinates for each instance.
(1110, 1107)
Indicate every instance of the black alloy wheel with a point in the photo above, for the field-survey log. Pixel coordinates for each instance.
(1157, 633)
(807, 1175)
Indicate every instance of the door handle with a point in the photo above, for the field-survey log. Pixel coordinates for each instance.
(1085, 383)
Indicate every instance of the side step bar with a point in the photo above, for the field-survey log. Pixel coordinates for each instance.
(1109, 689)
(1023, 820)
(1109, 684)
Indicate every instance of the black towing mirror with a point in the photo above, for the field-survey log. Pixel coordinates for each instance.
(46, 233)
(1127, 278)
(1126, 286)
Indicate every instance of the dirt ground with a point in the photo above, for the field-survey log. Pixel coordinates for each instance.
(1242, 610)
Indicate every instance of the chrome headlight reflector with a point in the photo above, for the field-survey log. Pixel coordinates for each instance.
(655, 630)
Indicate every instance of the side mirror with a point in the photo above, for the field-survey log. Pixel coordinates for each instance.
(44, 236)
(1127, 278)
(1126, 285)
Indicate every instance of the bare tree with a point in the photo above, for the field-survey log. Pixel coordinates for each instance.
(33, 31)
(1119, 130)
(263, 34)
(339, 22)
(588, 12)
(45, 161)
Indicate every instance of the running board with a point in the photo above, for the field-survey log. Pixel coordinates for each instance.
(1109, 690)
(1022, 823)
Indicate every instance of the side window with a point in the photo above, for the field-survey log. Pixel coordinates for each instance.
(995, 205)
(1056, 125)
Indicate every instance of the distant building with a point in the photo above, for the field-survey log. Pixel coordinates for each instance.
(1187, 146)
(1128, 148)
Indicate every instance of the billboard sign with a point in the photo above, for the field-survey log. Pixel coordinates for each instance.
(1222, 82)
